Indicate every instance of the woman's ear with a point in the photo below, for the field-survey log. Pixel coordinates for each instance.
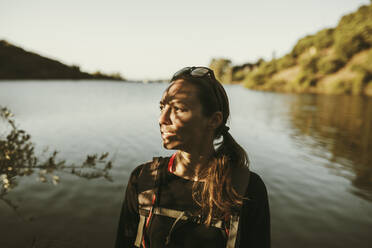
(215, 120)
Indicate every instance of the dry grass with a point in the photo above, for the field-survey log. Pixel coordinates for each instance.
(288, 74)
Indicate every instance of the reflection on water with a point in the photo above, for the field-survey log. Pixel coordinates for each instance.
(18, 159)
(341, 125)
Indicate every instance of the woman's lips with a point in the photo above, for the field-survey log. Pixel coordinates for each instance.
(165, 135)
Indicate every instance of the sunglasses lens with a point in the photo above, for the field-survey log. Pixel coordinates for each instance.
(195, 72)
(199, 72)
(180, 72)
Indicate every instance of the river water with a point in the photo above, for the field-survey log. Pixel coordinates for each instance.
(312, 151)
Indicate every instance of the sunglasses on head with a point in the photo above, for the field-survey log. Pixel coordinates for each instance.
(200, 72)
(195, 71)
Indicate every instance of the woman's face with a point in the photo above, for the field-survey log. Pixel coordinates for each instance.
(182, 124)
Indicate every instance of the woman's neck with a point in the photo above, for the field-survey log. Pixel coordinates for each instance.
(189, 165)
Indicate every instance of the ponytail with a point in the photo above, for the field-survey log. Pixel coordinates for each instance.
(218, 198)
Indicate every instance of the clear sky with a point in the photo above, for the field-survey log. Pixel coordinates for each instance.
(153, 39)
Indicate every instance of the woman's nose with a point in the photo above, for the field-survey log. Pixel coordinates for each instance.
(164, 116)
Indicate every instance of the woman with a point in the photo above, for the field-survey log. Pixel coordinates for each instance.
(203, 195)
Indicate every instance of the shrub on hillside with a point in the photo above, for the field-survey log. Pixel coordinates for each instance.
(309, 63)
(268, 68)
(354, 33)
(329, 64)
(324, 38)
(350, 44)
(302, 82)
(275, 85)
(221, 66)
(285, 62)
(340, 86)
(320, 40)
(238, 75)
(261, 74)
(302, 45)
(363, 77)
(254, 79)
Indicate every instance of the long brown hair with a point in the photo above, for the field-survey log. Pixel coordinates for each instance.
(217, 196)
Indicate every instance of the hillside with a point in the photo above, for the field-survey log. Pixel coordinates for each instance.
(16, 63)
(332, 61)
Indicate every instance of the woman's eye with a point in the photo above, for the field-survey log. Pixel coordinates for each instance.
(179, 109)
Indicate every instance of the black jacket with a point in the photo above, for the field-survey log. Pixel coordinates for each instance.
(175, 193)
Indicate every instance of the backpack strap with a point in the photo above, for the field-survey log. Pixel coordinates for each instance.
(240, 181)
(139, 236)
(233, 231)
(185, 215)
(146, 199)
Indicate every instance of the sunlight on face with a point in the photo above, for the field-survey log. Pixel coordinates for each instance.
(182, 124)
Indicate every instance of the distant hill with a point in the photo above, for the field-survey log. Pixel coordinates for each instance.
(332, 61)
(16, 63)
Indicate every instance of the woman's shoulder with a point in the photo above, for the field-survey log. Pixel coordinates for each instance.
(256, 188)
(256, 179)
(147, 171)
(150, 164)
